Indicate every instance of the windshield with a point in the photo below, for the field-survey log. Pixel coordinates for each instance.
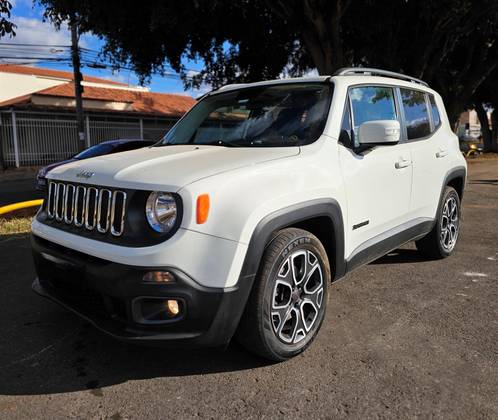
(269, 116)
(98, 150)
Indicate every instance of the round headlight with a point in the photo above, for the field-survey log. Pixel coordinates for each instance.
(161, 211)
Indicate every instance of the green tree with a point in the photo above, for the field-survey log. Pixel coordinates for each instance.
(6, 26)
(449, 43)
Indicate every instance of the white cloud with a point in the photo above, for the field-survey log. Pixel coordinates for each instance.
(35, 31)
(198, 92)
(192, 73)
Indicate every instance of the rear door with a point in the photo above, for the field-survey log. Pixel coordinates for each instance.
(429, 147)
(378, 179)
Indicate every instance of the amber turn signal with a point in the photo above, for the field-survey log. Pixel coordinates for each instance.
(202, 208)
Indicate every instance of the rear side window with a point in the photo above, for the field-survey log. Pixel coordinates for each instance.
(435, 112)
(416, 114)
(371, 103)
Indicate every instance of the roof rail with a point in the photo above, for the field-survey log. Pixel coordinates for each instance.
(377, 72)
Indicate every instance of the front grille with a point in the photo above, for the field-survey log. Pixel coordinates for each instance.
(87, 207)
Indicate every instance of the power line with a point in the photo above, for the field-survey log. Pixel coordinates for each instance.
(89, 56)
(36, 45)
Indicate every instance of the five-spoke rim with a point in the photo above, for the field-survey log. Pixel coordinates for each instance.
(297, 296)
(449, 224)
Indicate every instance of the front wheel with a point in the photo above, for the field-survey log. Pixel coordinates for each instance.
(287, 304)
(441, 241)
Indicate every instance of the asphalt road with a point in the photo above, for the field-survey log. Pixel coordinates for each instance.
(13, 191)
(403, 338)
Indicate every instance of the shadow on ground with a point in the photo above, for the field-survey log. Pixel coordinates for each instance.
(401, 256)
(45, 350)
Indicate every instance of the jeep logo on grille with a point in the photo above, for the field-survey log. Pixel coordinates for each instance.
(85, 174)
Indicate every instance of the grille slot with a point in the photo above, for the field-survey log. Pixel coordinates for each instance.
(97, 209)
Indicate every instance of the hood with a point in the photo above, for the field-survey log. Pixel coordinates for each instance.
(43, 171)
(166, 168)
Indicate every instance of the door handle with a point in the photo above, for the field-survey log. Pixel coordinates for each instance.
(403, 163)
(442, 153)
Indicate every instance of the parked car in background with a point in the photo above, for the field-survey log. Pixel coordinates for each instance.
(104, 148)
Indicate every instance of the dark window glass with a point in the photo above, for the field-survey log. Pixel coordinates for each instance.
(435, 112)
(267, 116)
(416, 114)
(346, 134)
(98, 150)
(371, 103)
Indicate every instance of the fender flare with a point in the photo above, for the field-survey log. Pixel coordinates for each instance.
(288, 216)
(455, 173)
(231, 310)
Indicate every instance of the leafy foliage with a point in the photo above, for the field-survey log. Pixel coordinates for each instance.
(449, 43)
(6, 26)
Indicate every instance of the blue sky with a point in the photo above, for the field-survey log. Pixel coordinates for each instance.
(32, 30)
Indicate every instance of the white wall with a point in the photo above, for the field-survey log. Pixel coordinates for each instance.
(13, 85)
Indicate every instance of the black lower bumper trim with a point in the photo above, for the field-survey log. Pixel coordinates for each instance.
(102, 293)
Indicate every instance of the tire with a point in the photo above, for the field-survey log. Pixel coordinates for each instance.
(288, 301)
(441, 241)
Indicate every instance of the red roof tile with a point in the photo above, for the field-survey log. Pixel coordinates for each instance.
(37, 71)
(141, 102)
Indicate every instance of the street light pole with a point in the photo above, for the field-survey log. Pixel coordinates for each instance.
(78, 88)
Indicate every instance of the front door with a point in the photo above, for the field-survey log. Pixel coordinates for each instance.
(378, 180)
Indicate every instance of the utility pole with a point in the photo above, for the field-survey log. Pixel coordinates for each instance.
(78, 88)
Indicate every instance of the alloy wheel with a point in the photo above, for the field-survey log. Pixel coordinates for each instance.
(449, 224)
(297, 296)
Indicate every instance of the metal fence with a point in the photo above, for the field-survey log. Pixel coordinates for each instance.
(39, 138)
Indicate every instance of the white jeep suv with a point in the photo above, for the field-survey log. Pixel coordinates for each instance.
(235, 223)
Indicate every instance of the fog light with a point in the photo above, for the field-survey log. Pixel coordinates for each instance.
(157, 310)
(173, 307)
(158, 277)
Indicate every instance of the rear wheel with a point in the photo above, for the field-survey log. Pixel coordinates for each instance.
(441, 241)
(287, 304)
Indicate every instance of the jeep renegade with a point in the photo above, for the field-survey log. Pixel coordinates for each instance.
(235, 224)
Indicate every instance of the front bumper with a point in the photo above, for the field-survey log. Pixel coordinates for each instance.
(104, 293)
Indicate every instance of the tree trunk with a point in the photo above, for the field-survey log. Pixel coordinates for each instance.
(485, 130)
(322, 34)
(494, 133)
(453, 110)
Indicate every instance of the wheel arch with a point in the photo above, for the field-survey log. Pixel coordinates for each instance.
(455, 178)
(321, 217)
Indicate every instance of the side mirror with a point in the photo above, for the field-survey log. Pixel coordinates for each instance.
(379, 132)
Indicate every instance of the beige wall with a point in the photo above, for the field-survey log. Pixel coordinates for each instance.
(52, 101)
(14, 85)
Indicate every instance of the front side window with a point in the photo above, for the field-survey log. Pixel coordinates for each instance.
(435, 112)
(371, 103)
(268, 116)
(416, 114)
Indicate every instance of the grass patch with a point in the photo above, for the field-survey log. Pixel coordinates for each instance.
(15, 225)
